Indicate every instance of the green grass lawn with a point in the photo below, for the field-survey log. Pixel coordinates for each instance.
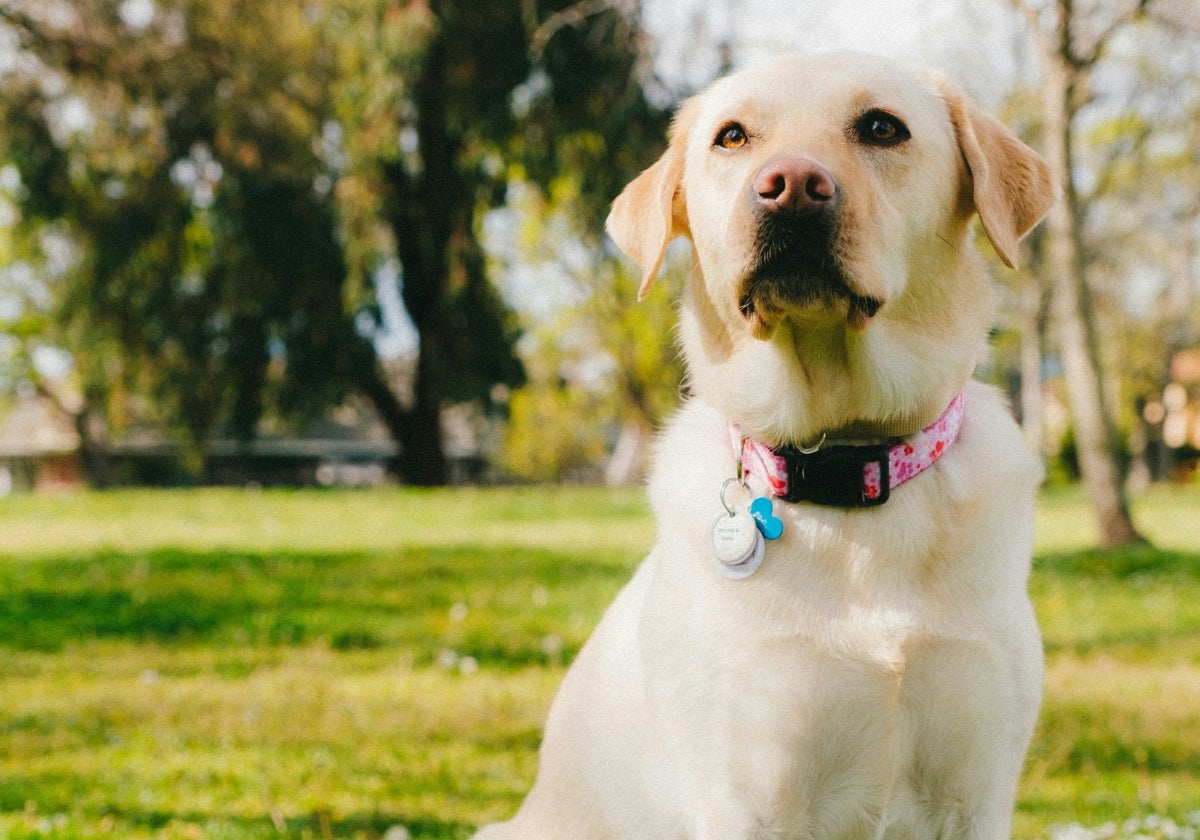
(229, 664)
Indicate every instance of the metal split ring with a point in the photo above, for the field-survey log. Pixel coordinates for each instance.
(725, 487)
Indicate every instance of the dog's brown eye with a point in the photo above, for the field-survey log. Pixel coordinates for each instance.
(877, 128)
(732, 136)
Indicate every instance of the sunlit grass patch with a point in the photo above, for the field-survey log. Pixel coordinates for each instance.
(1115, 739)
(333, 521)
(225, 664)
(1133, 603)
(306, 735)
(498, 605)
(1118, 741)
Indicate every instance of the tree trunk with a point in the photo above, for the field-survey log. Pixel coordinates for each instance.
(422, 461)
(624, 465)
(1033, 331)
(423, 203)
(432, 202)
(1095, 434)
(93, 449)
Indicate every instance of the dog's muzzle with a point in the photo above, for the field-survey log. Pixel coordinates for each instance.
(794, 258)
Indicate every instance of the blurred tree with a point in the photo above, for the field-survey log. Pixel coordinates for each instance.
(598, 353)
(1135, 176)
(231, 195)
(1069, 45)
(424, 155)
(179, 152)
(587, 130)
(543, 92)
(1142, 206)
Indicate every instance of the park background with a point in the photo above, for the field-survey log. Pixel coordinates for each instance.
(273, 275)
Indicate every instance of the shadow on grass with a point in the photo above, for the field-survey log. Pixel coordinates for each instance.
(1141, 561)
(1138, 601)
(495, 604)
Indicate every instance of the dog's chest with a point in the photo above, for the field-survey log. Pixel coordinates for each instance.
(853, 683)
(880, 638)
(833, 676)
(855, 722)
(869, 587)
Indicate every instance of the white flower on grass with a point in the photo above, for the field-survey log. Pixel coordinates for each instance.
(1152, 827)
(552, 646)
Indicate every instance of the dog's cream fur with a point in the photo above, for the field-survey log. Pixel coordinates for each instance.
(880, 675)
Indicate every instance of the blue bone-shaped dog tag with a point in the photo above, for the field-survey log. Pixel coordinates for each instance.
(769, 525)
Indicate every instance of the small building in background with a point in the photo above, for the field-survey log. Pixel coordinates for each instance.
(39, 447)
(40, 452)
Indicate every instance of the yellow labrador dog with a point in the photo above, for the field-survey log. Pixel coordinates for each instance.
(831, 639)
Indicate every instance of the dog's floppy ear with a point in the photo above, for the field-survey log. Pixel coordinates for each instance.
(644, 217)
(1012, 187)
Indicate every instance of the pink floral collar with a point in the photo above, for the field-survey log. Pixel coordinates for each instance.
(846, 475)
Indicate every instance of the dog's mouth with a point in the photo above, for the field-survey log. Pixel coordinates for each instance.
(795, 267)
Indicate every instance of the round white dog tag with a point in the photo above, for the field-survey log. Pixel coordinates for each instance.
(738, 547)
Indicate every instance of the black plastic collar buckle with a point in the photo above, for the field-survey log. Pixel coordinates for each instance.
(834, 476)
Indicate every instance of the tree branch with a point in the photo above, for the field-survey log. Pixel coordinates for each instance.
(1033, 20)
(573, 15)
(26, 28)
(1130, 13)
(1180, 20)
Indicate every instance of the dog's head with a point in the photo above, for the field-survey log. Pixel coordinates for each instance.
(828, 200)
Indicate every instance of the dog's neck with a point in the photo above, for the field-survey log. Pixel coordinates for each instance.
(823, 378)
(897, 426)
(845, 475)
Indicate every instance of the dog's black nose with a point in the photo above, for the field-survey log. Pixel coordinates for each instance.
(798, 185)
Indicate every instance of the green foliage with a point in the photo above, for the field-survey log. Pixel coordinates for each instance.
(225, 664)
(555, 431)
(589, 126)
(237, 173)
(198, 199)
(603, 361)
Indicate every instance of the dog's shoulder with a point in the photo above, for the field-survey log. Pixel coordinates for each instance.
(693, 457)
(992, 441)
